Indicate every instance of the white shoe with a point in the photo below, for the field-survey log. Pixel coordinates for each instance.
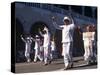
(45, 64)
(28, 60)
(68, 67)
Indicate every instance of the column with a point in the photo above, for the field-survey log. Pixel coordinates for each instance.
(83, 10)
(93, 12)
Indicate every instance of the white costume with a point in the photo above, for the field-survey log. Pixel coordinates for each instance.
(37, 50)
(46, 45)
(28, 42)
(67, 40)
(52, 48)
(88, 38)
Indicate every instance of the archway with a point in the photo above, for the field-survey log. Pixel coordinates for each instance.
(36, 26)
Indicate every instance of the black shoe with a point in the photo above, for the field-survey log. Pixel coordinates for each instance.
(66, 68)
(50, 62)
(72, 65)
(45, 64)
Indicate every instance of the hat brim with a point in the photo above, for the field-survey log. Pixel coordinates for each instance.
(66, 19)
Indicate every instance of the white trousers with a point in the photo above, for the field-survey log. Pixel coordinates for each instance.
(88, 50)
(38, 55)
(67, 53)
(47, 52)
(27, 54)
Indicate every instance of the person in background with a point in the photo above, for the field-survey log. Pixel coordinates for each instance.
(28, 42)
(37, 49)
(52, 48)
(46, 45)
(78, 42)
(94, 43)
(41, 48)
(88, 44)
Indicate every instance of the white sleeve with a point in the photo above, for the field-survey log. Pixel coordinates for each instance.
(83, 36)
(72, 26)
(23, 39)
(41, 34)
(93, 35)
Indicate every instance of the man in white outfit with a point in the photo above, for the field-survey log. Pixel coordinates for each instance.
(46, 45)
(67, 40)
(37, 49)
(88, 38)
(28, 42)
(53, 48)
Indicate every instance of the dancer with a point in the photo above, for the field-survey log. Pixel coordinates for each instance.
(28, 42)
(46, 45)
(88, 38)
(37, 49)
(52, 48)
(67, 39)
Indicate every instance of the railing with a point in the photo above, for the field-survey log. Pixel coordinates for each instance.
(58, 10)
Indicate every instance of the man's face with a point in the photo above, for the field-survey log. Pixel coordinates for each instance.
(87, 28)
(66, 22)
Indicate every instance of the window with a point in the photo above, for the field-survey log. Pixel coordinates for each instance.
(77, 9)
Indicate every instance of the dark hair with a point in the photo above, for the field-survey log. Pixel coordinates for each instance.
(44, 32)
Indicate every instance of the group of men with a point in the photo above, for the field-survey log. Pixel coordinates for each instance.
(67, 43)
(46, 49)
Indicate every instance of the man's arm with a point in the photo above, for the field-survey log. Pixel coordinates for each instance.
(55, 24)
(71, 19)
(72, 25)
(23, 39)
(33, 39)
(41, 33)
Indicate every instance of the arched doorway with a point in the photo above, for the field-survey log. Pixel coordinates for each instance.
(19, 43)
(36, 26)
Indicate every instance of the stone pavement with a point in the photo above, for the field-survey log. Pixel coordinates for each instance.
(56, 65)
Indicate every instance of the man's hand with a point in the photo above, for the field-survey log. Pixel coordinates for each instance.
(20, 35)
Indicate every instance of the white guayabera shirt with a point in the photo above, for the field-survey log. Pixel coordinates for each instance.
(46, 40)
(67, 32)
(88, 37)
(46, 36)
(37, 43)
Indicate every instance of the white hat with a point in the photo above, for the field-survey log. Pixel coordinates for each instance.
(27, 38)
(66, 18)
(36, 36)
